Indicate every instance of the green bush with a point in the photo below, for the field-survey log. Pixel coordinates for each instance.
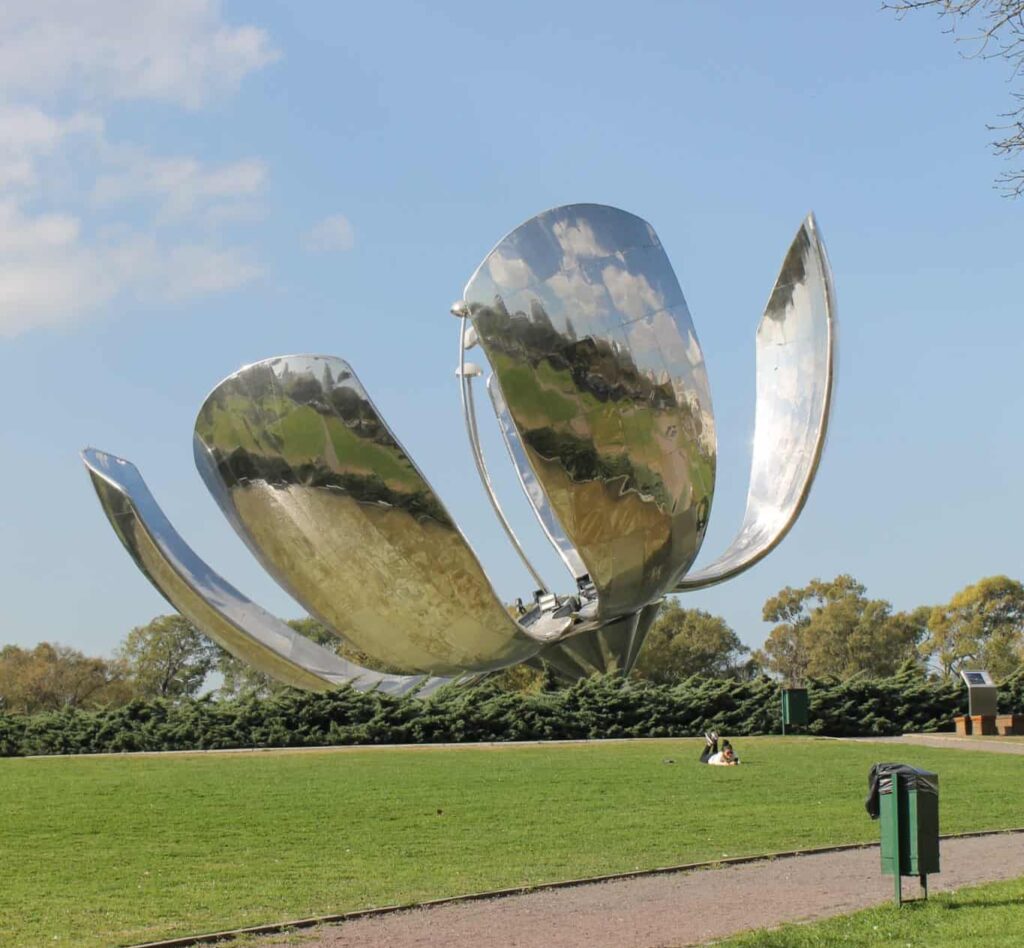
(597, 708)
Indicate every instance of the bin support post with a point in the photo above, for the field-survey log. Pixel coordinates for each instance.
(782, 709)
(924, 885)
(898, 855)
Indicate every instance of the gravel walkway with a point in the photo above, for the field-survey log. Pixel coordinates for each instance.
(673, 910)
(995, 745)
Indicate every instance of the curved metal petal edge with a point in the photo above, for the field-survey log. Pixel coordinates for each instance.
(316, 484)
(796, 356)
(220, 611)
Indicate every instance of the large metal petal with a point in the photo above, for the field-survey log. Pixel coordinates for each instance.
(534, 493)
(315, 483)
(218, 609)
(586, 328)
(796, 353)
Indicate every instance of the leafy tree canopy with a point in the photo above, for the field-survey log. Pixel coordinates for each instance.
(50, 677)
(168, 658)
(981, 626)
(684, 642)
(831, 629)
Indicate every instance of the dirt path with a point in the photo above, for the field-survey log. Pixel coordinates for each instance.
(996, 745)
(678, 909)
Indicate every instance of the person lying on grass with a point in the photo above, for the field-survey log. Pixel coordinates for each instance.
(726, 757)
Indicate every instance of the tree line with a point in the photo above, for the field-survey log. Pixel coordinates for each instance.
(824, 630)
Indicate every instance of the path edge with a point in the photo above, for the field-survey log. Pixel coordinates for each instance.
(277, 928)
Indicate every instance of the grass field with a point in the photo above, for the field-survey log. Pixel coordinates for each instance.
(99, 851)
(981, 917)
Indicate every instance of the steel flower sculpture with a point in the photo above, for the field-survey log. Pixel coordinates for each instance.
(600, 390)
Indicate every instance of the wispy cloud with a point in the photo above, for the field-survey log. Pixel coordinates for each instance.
(333, 234)
(177, 51)
(50, 275)
(180, 187)
(29, 135)
(86, 220)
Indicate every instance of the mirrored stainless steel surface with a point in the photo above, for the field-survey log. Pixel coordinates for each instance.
(220, 611)
(602, 398)
(643, 625)
(304, 467)
(796, 354)
(582, 319)
(612, 648)
(534, 493)
(466, 373)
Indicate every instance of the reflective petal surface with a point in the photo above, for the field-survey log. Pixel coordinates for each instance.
(315, 483)
(796, 354)
(586, 328)
(218, 609)
(536, 496)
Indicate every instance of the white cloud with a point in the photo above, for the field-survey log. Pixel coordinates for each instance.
(196, 269)
(693, 351)
(176, 51)
(28, 135)
(20, 235)
(181, 186)
(84, 221)
(55, 279)
(578, 297)
(632, 294)
(577, 240)
(332, 234)
(509, 273)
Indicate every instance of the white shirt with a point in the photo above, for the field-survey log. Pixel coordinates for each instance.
(720, 760)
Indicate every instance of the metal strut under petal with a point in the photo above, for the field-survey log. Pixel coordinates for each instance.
(796, 353)
(220, 611)
(466, 373)
(306, 470)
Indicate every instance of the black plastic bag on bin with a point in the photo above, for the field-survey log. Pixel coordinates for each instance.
(880, 781)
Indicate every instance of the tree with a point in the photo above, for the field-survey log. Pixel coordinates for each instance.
(684, 642)
(982, 625)
(833, 629)
(50, 677)
(168, 658)
(996, 30)
(522, 678)
(240, 678)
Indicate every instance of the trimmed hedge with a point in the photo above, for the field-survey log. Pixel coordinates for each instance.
(596, 708)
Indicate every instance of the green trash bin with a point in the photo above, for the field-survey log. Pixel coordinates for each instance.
(795, 708)
(908, 810)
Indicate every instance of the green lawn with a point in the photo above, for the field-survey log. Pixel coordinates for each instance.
(108, 850)
(981, 916)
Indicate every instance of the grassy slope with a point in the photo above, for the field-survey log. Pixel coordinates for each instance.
(102, 850)
(981, 916)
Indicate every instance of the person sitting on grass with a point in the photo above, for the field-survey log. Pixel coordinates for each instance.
(726, 757)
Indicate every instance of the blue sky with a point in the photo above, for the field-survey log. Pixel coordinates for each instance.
(188, 186)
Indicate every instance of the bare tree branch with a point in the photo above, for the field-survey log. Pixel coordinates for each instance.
(996, 28)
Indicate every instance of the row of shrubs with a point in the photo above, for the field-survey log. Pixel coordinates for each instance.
(596, 708)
